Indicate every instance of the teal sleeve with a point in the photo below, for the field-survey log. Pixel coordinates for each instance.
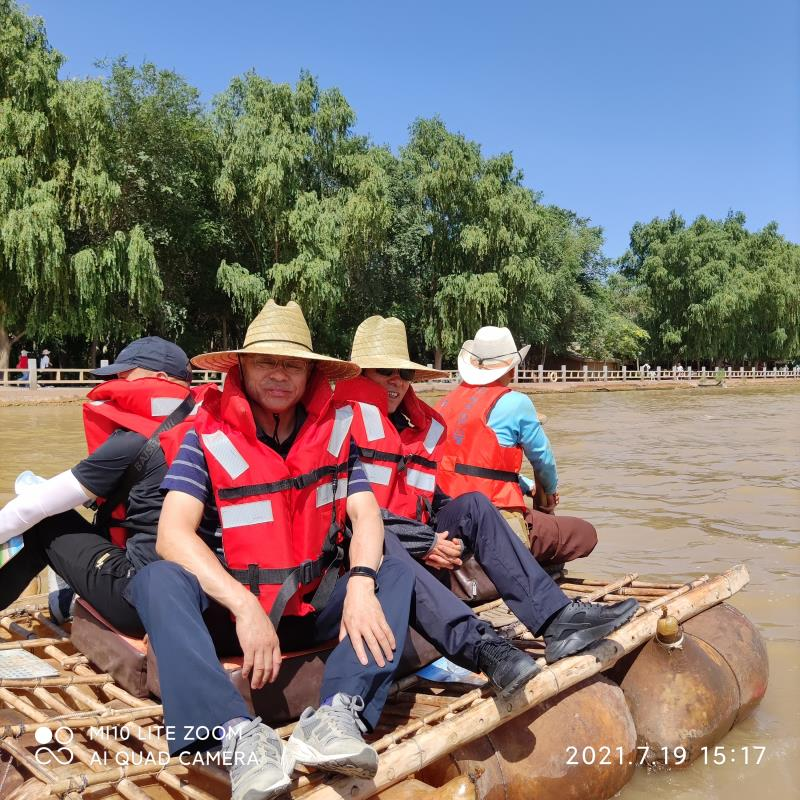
(515, 422)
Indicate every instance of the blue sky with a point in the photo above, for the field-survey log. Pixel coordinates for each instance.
(621, 110)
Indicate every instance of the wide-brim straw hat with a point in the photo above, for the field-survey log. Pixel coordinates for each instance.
(381, 343)
(489, 356)
(279, 331)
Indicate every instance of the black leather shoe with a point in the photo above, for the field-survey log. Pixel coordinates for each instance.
(506, 666)
(579, 625)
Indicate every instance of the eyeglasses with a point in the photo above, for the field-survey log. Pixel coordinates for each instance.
(291, 366)
(405, 374)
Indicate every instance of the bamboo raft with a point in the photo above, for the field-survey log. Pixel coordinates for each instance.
(422, 722)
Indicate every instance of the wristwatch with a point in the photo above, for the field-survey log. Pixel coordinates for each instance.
(365, 572)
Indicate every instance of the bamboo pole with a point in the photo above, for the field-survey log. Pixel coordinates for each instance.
(22, 756)
(485, 715)
(635, 584)
(28, 644)
(81, 720)
(60, 681)
(609, 588)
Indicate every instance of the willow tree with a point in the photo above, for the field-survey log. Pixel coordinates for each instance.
(305, 201)
(716, 291)
(473, 255)
(64, 265)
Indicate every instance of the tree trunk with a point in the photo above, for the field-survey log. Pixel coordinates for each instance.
(5, 347)
(437, 358)
(93, 354)
(224, 333)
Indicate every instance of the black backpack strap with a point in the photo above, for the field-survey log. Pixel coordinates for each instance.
(133, 474)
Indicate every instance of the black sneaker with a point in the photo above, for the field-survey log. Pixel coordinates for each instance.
(579, 625)
(506, 666)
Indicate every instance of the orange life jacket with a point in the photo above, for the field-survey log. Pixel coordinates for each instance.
(473, 459)
(140, 406)
(401, 467)
(282, 519)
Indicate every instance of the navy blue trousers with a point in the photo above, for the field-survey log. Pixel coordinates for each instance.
(189, 632)
(527, 589)
(449, 624)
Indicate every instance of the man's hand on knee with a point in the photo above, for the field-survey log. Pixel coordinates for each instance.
(260, 646)
(364, 622)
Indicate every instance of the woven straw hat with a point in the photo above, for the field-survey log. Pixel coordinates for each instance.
(382, 343)
(278, 331)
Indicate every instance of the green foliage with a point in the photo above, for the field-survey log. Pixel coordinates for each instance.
(714, 291)
(127, 207)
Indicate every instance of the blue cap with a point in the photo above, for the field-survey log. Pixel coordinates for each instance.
(153, 353)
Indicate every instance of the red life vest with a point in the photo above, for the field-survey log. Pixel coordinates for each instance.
(401, 467)
(282, 519)
(473, 459)
(140, 406)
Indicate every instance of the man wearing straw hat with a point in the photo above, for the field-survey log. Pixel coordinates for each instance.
(407, 486)
(271, 463)
(490, 429)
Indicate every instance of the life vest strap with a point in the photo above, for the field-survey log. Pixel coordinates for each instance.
(421, 461)
(291, 578)
(485, 472)
(136, 469)
(297, 482)
(380, 455)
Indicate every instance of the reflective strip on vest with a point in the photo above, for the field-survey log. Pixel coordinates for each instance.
(377, 474)
(432, 437)
(195, 409)
(97, 402)
(372, 421)
(246, 514)
(164, 406)
(423, 481)
(224, 451)
(325, 492)
(340, 431)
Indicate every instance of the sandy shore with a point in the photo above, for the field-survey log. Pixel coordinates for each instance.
(12, 396)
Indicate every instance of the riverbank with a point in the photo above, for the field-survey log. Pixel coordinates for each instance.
(61, 395)
(570, 387)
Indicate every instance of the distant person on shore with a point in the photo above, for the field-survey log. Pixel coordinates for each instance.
(23, 364)
(644, 369)
(490, 428)
(121, 419)
(44, 362)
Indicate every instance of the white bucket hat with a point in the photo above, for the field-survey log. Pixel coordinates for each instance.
(489, 356)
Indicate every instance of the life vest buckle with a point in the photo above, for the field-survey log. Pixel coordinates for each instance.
(308, 571)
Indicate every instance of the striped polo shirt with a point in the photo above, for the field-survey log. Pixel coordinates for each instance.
(189, 474)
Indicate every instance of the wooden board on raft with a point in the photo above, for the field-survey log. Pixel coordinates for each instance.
(422, 721)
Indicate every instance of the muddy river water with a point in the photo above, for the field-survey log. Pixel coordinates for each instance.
(679, 484)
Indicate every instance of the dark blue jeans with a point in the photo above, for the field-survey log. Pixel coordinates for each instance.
(189, 631)
(449, 624)
(527, 589)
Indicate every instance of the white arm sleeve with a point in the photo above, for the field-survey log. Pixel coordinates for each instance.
(43, 500)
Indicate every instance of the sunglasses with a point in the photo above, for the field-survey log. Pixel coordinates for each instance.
(405, 374)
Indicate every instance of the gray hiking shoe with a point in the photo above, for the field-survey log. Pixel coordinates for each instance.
(258, 763)
(330, 739)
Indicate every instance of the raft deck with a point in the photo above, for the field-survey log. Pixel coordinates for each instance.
(422, 721)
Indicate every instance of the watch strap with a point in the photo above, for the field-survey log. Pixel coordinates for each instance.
(365, 572)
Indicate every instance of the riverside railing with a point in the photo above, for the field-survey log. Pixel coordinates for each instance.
(34, 378)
